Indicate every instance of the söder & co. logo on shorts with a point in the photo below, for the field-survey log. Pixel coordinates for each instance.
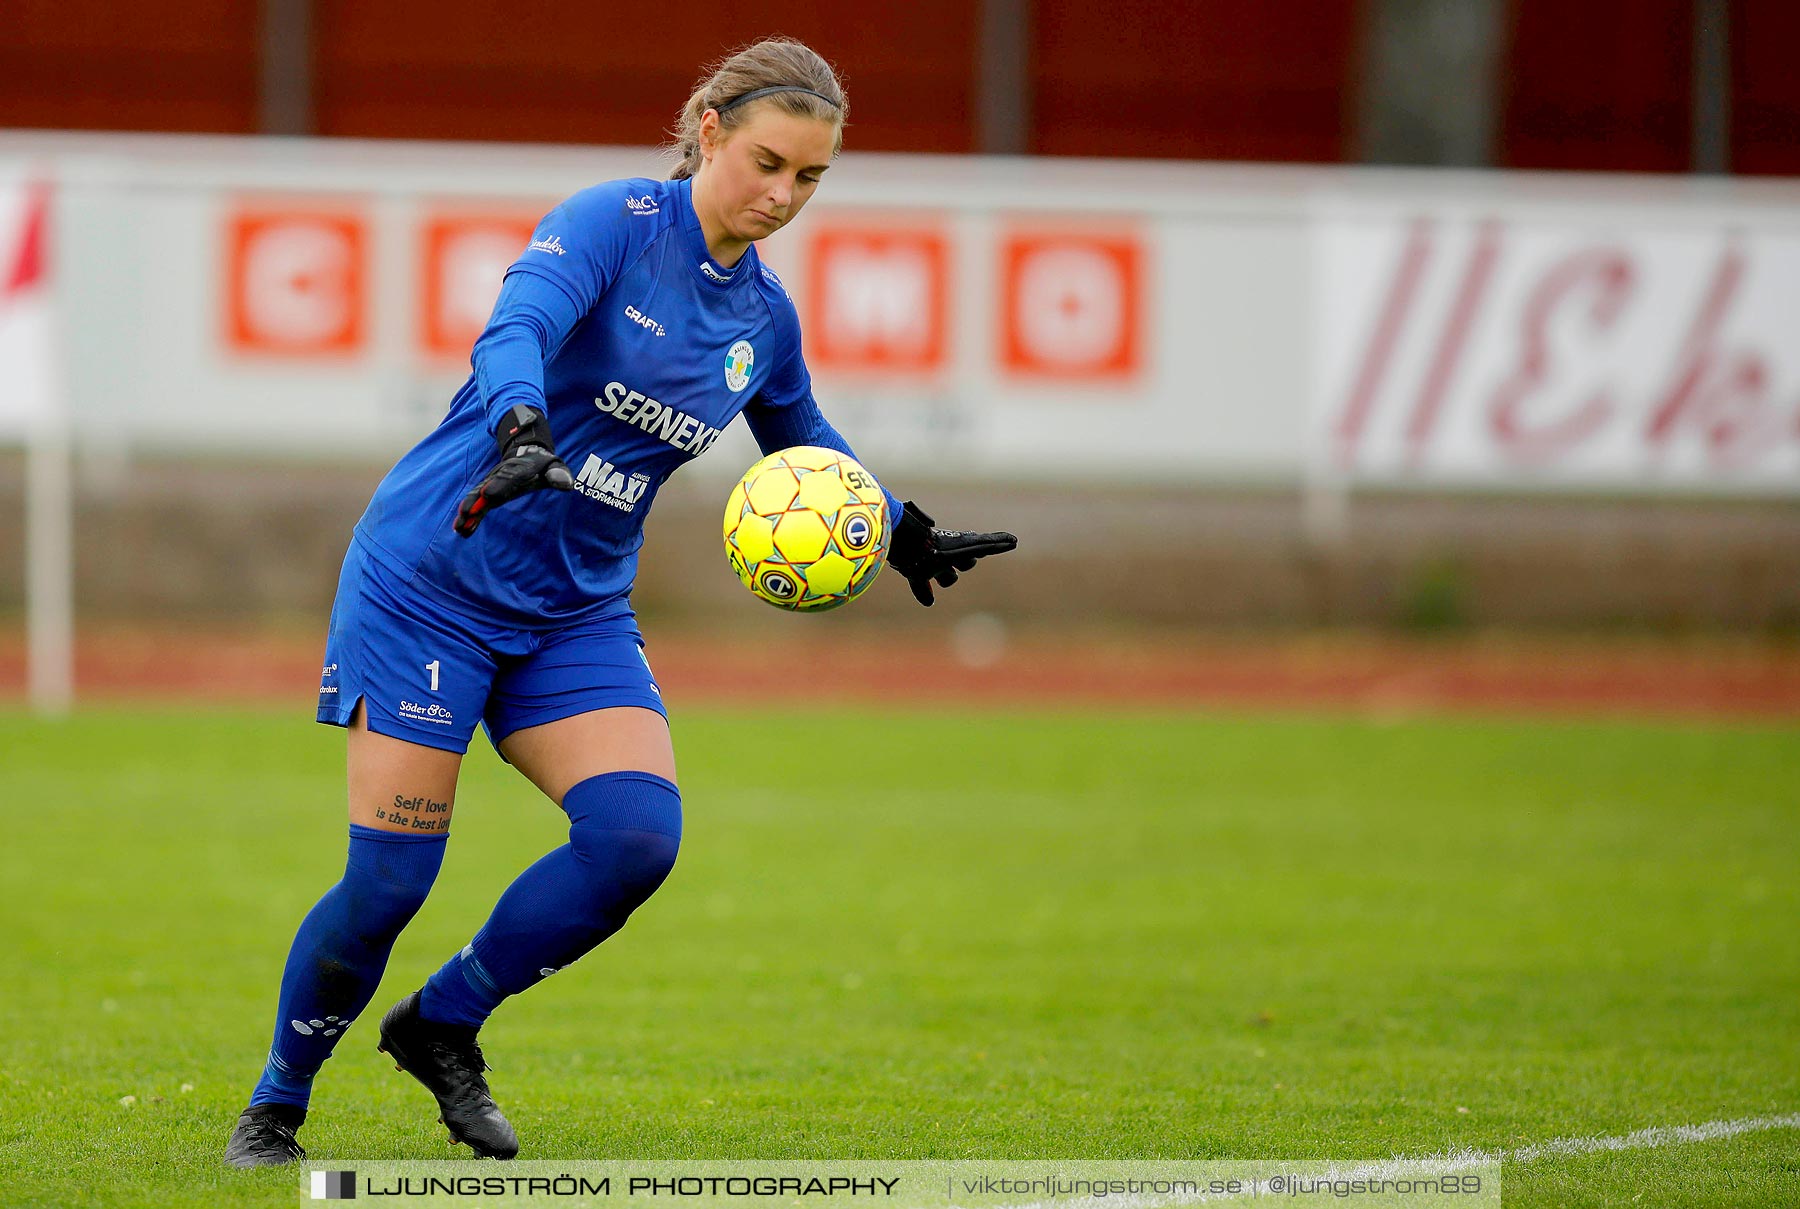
(433, 713)
(334, 1185)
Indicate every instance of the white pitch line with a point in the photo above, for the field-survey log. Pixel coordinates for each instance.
(1661, 1135)
(1458, 1160)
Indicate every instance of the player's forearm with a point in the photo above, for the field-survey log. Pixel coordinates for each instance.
(530, 322)
(509, 367)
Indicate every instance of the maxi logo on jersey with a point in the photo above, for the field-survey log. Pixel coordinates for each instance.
(601, 480)
(679, 429)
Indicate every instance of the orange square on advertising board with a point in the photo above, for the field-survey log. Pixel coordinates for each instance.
(878, 299)
(464, 258)
(295, 281)
(1071, 304)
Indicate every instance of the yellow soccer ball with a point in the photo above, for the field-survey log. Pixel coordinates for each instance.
(807, 529)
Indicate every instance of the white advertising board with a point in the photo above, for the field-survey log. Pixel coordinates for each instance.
(1497, 350)
(1035, 319)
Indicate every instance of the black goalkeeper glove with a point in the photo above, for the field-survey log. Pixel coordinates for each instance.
(921, 552)
(528, 462)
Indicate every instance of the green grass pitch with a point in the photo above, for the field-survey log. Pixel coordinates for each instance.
(927, 934)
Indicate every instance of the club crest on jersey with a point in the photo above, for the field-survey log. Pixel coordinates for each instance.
(738, 364)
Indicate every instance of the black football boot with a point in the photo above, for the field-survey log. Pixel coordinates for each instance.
(447, 1060)
(264, 1136)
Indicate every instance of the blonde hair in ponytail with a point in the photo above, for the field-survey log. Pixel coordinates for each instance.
(771, 63)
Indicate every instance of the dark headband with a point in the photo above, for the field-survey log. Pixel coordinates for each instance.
(759, 93)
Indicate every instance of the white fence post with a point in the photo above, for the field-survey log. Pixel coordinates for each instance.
(50, 566)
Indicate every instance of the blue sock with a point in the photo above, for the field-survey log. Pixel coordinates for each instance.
(624, 830)
(340, 951)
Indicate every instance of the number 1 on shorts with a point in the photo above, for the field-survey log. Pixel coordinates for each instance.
(432, 667)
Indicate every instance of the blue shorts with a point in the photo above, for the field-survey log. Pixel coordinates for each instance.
(427, 671)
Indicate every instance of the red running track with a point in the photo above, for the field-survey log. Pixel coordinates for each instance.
(1715, 678)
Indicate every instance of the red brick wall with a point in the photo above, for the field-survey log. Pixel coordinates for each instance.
(1765, 87)
(1207, 79)
(1598, 84)
(561, 71)
(146, 65)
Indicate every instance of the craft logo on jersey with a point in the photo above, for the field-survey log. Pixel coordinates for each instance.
(644, 321)
(721, 278)
(738, 363)
(601, 480)
(552, 245)
(643, 206)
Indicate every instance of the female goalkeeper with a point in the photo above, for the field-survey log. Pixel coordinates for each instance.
(490, 581)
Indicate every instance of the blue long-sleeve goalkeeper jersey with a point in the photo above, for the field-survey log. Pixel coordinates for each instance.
(640, 348)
